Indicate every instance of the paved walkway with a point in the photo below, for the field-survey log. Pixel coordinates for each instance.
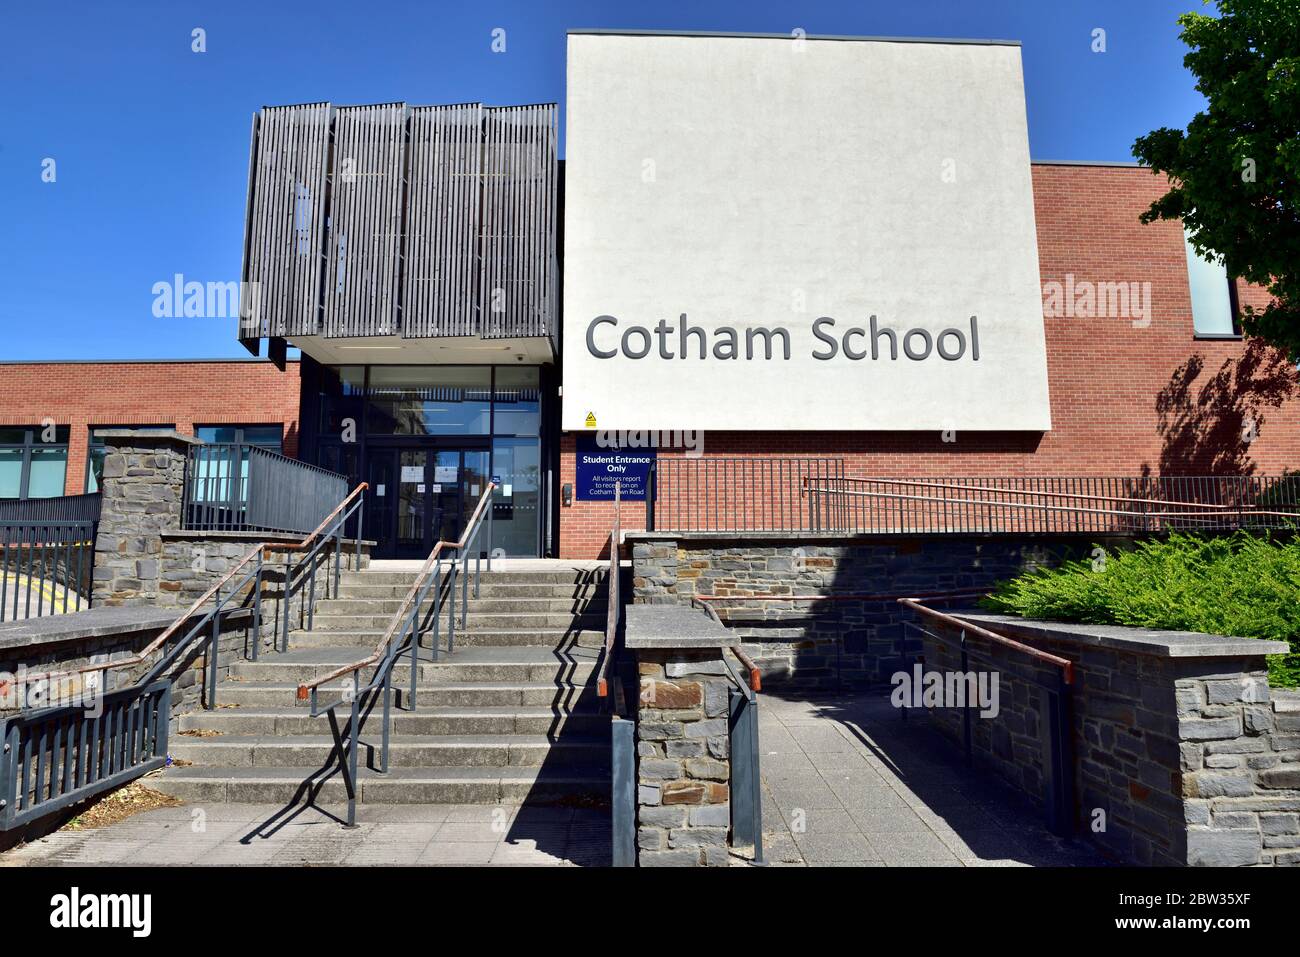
(847, 782)
(244, 834)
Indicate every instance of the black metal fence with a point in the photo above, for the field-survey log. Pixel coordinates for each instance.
(63, 508)
(1057, 504)
(800, 494)
(47, 555)
(59, 756)
(231, 487)
(739, 494)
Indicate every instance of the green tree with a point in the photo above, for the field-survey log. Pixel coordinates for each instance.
(1235, 172)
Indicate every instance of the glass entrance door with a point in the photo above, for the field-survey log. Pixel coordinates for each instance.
(458, 481)
(419, 496)
(414, 521)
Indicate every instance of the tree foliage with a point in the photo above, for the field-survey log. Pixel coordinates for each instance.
(1235, 171)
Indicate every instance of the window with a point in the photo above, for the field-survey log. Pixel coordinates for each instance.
(265, 436)
(517, 406)
(1214, 312)
(95, 456)
(429, 400)
(33, 461)
(342, 391)
(212, 476)
(516, 507)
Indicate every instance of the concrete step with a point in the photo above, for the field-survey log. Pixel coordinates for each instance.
(291, 720)
(521, 621)
(368, 638)
(431, 692)
(588, 637)
(480, 606)
(487, 589)
(468, 785)
(298, 665)
(497, 663)
(561, 577)
(405, 751)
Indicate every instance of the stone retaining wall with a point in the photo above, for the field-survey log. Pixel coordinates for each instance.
(105, 635)
(827, 643)
(1182, 753)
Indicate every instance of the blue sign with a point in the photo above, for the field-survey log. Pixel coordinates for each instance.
(598, 468)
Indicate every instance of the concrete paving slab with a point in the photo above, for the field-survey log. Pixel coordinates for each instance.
(883, 792)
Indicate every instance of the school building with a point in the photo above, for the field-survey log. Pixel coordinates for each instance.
(759, 249)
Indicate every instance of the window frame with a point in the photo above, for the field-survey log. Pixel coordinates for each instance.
(1234, 305)
(27, 446)
(240, 428)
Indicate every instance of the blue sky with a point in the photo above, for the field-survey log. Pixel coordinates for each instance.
(150, 139)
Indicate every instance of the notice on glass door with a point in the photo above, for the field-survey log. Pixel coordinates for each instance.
(412, 473)
(445, 473)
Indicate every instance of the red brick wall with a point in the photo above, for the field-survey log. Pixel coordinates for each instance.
(88, 394)
(1125, 400)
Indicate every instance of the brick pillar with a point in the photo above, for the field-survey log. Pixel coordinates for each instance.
(143, 496)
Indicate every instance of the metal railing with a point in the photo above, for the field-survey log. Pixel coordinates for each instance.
(1056, 687)
(738, 494)
(622, 724)
(402, 636)
(332, 531)
(614, 608)
(746, 770)
(105, 755)
(75, 509)
(240, 487)
(47, 555)
(1089, 504)
(57, 757)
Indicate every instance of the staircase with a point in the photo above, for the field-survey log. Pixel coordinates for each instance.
(510, 717)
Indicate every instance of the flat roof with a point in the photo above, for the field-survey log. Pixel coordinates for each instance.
(1125, 164)
(597, 31)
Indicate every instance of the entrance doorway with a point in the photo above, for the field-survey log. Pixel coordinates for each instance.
(421, 494)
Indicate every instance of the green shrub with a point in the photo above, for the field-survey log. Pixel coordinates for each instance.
(1239, 585)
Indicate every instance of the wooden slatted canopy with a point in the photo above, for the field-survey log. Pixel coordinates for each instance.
(383, 220)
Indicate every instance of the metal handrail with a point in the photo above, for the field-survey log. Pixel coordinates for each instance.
(335, 522)
(401, 613)
(613, 608)
(257, 552)
(387, 651)
(1065, 664)
(747, 803)
(754, 676)
(1041, 493)
(1192, 506)
(144, 653)
(844, 596)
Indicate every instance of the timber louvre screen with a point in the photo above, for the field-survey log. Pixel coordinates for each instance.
(515, 297)
(285, 233)
(442, 222)
(365, 227)
(432, 221)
